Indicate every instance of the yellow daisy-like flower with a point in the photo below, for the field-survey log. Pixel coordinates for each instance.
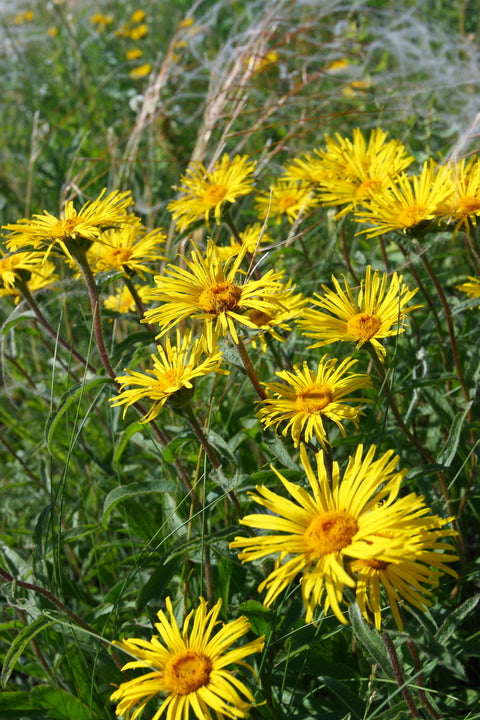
(286, 199)
(308, 397)
(215, 293)
(415, 560)
(471, 288)
(307, 169)
(378, 312)
(317, 534)
(174, 369)
(462, 206)
(409, 202)
(46, 231)
(271, 323)
(357, 169)
(205, 192)
(190, 667)
(24, 267)
(126, 249)
(252, 238)
(18, 266)
(122, 301)
(140, 72)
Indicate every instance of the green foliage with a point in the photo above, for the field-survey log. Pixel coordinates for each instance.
(103, 516)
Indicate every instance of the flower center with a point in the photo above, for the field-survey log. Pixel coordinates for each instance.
(214, 195)
(313, 399)
(330, 532)
(467, 204)
(363, 326)
(286, 202)
(375, 564)
(259, 318)
(412, 215)
(219, 298)
(187, 671)
(120, 256)
(64, 228)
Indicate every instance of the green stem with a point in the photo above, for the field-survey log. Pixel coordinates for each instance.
(249, 369)
(397, 671)
(137, 300)
(28, 297)
(80, 255)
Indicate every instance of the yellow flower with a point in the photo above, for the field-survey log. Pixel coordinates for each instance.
(18, 266)
(101, 20)
(355, 170)
(140, 72)
(86, 225)
(126, 249)
(407, 570)
(307, 169)
(462, 206)
(134, 54)
(471, 288)
(252, 238)
(24, 267)
(309, 397)
(26, 16)
(138, 32)
(316, 534)
(215, 293)
(137, 16)
(409, 202)
(122, 301)
(173, 370)
(271, 323)
(205, 192)
(189, 667)
(286, 199)
(261, 63)
(378, 312)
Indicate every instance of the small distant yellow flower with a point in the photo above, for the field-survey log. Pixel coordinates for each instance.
(308, 397)
(355, 86)
(189, 667)
(122, 301)
(409, 201)
(337, 65)
(140, 72)
(378, 312)
(262, 63)
(174, 369)
(26, 16)
(188, 22)
(48, 231)
(127, 249)
(216, 293)
(286, 199)
(101, 20)
(206, 191)
(53, 31)
(137, 16)
(134, 54)
(139, 32)
(471, 288)
(316, 534)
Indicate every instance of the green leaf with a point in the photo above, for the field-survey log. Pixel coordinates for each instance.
(447, 453)
(158, 582)
(68, 398)
(370, 639)
(277, 448)
(19, 644)
(60, 705)
(17, 705)
(452, 622)
(126, 492)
